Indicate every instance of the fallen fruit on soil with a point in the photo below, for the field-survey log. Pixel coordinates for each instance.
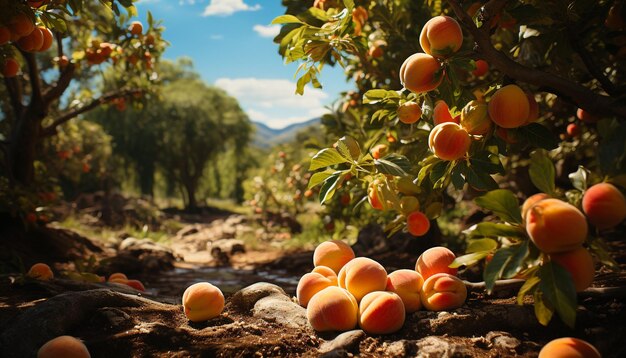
(604, 205)
(579, 264)
(63, 347)
(407, 284)
(333, 254)
(381, 312)
(40, 271)
(332, 309)
(435, 260)
(443, 292)
(202, 301)
(136, 284)
(361, 276)
(569, 347)
(556, 226)
(310, 284)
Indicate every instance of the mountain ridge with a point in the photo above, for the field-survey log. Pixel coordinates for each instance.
(266, 137)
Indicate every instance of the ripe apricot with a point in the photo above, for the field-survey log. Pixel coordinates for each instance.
(326, 272)
(409, 112)
(21, 25)
(509, 107)
(136, 284)
(417, 223)
(10, 67)
(421, 72)
(381, 312)
(47, 39)
(202, 301)
(531, 200)
(482, 67)
(332, 309)
(569, 347)
(361, 276)
(372, 196)
(604, 205)
(379, 150)
(333, 254)
(573, 130)
(474, 118)
(586, 116)
(310, 284)
(441, 36)
(407, 284)
(64, 346)
(135, 28)
(556, 226)
(579, 264)
(31, 42)
(117, 275)
(40, 271)
(449, 141)
(443, 291)
(441, 113)
(435, 260)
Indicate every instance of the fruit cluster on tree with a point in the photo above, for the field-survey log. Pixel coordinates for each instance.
(459, 100)
(52, 53)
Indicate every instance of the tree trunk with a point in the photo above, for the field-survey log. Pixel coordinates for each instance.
(23, 148)
(146, 178)
(190, 188)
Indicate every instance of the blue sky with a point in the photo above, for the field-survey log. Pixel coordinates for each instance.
(230, 42)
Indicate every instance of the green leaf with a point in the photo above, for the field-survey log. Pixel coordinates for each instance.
(487, 162)
(328, 188)
(438, 173)
(469, 259)
(558, 289)
(478, 245)
(325, 158)
(496, 230)
(318, 178)
(543, 310)
(538, 136)
(477, 178)
(503, 203)
(378, 95)
(493, 270)
(579, 178)
(516, 262)
(526, 288)
(542, 171)
(349, 4)
(286, 19)
(601, 250)
(394, 164)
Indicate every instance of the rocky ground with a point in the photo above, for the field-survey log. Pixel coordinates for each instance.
(261, 319)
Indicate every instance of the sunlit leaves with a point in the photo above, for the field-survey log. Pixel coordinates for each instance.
(325, 158)
(542, 172)
(558, 289)
(503, 203)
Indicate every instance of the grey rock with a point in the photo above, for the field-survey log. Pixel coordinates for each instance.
(435, 347)
(346, 341)
(247, 297)
(280, 309)
(503, 340)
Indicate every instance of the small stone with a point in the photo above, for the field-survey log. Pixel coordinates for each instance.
(503, 340)
(345, 341)
(247, 297)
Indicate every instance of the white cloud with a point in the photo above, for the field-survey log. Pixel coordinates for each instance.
(216, 37)
(273, 101)
(267, 31)
(227, 7)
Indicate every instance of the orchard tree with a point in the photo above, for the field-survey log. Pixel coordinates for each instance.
(203, 122)
(51, 53)
(459, 100)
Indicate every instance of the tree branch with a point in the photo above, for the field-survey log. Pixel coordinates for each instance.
(51, 129)
(56, 91)
(36, 100)
(585, 98)
(590, 64)
(14, 88)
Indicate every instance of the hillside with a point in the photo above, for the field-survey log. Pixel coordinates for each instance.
(266, 137)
